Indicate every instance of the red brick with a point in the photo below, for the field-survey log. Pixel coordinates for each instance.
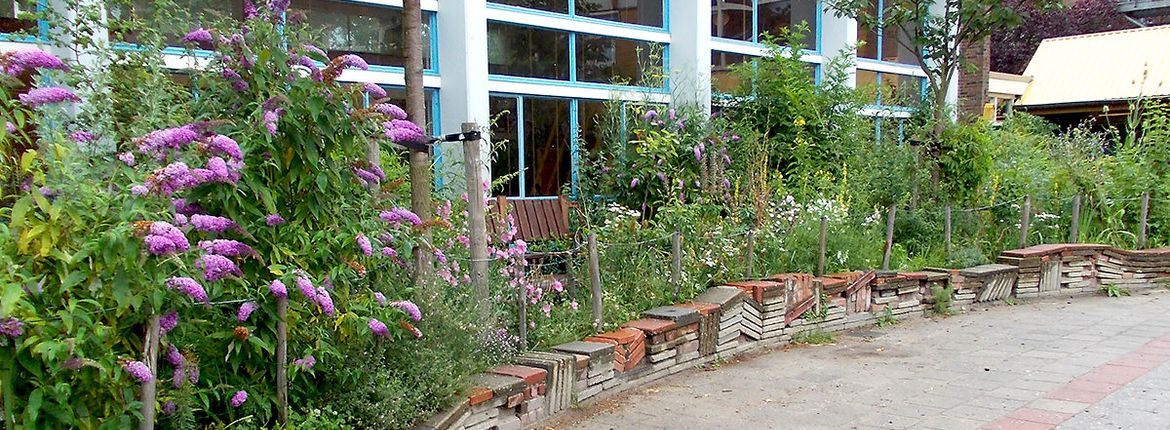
(756, 289)
(650, 325)
(621, 336)
(703, 308)
(1092, 386)
(914, 275)
(530, 375)
(1040, 416)
(541, 389)
(688, 347)
(514, 400)
(477, 395)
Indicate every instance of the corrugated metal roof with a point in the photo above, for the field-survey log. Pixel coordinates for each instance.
(1099, 67)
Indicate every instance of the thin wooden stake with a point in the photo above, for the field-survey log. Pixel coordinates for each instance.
(1025, 220)
(751, 254)
(476, 222)
(947, 229)
(821, 255)
(150, 357)
(889, 237)
(817, 291)
(595, 281)
(676, 262)
(282, 360)
(522, 300)
(1144, 226)
(1074, 227)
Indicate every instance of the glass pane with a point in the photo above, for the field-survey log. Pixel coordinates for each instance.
(900, 90)
(526, 51)
(731, 19)
(867, 38)
(589, 113)
(561, 6)
(506, 144)
(611, 60)
(777, 14)
(867, 84)
(373, 32)
(897, 46)
(173, 24)
(11, 10)
(723, 78)
(546, 145)
(642, 12)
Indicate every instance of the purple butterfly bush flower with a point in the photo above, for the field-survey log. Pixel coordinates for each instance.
(217, 267)
(138, 370)
(403, 131)
(378, 328)
(240, 86)
(274, 220)
(250, 11)
(409, 308)
(325, 301)
(82, 137)
(212, 223)
(278, 6)
(314, 50)
(634, 183)
(172, 178)
(9, 127)
(308, 362)
(160, 143)
(127, 158)
(239, 398)
(230, 74)
(381, 298)
(11, 327)
(165, 239)
(188, 286)
(650, 115)
(180, 220)
(306, 287)
(364, 244)
(270, 119)
(246, 310)
(366, 177)
(398, 215)
(186, 208)
(389, 252)
(139, 190)
(278, 289)
(168, 407)
(374, 90)
(174, 356)
(351, 61)
(46, 96)
(223, 145)
(199, 37)
(168, 322)
(698, 153)
(661, 177)
(226, 247)
(671, 114)
(389, 109)
(20, 61)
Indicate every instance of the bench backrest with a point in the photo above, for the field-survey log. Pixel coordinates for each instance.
(536, 218)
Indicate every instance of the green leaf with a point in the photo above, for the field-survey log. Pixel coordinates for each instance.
(32, 410)
(19, 209)
(26, 160)
(8, 300)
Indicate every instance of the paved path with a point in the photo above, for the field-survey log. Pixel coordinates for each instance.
(1093, 363)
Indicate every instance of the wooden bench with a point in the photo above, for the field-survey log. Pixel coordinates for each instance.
(535, 218)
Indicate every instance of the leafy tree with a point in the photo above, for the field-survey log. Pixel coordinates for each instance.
(1011, 49)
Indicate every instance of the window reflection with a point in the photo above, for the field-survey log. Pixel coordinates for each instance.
(723, 77)
(527, 51)
(642, 12)
(612, 60)
(560, 6)
(777, 14)
(372, 32)
(732, 19)
(900, 90)
(867, 38)
(505, 141)
(590, 114)
(867, 81)
(172, 24)
(546, 146)
(10, 12)
(897, 43)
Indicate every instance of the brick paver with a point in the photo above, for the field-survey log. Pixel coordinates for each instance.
(1081, 363)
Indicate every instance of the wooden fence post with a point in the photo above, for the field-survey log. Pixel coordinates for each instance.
(522, 297)
(1144, 226)
(595, 281)
(150, 357)
(1025, 220)
(947, 229)
(676, 262)
(821, 255)
(476, 222)
(889, 237)
(1074, 227)
(751, 253)
(282, 360)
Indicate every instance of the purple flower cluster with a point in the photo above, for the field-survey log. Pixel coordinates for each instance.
(212, 223)
(168, 322)
(278, 289)
(188, 286)
(366, 177)
(325, 301)
(226, 247)
(250, 11)
(82, 136)
(381, 298)
(403, 131)
(128, 158)
(184, 207)
(398, 215)
(378, 328)
(217, 267)
(171, 178)
(16, 63)
(374, 90)
(48, 95)
(138, 370)
(160, 143)
(169, 407)
(239, 398)
(270, 118)
(9, 127)
(165, 239)
(223, 145)
(313, 49)
(305, 286)
(274, 220)
(11, 327)
(246, 310)
(364, 244)
(308, 362)
(409, 308)
(389, 109)
(199, 37)
(174, 356)
(351, 61)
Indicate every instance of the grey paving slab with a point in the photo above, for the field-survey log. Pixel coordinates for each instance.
(962, 372)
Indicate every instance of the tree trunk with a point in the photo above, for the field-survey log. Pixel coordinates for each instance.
(420, 161)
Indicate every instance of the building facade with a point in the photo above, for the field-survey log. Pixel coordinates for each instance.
(543, 70)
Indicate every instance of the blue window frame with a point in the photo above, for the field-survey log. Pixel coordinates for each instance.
(889, 45)
(542, 139)
(748, 20)
(13, 25)
(643, 14)
(890, 89)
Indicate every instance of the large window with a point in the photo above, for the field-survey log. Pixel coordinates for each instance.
(11, 12)
(893, 44)
(749, 20)
(128, 20)
(723, 76)
(610, 60)
(888, 89)
(527, 51)
(373, 32)
(536, 137)
(638, 12)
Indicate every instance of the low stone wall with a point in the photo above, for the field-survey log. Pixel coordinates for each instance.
(731, 319)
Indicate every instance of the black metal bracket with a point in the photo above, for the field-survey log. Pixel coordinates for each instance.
(457, 137)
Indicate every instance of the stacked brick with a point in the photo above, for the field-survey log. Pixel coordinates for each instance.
(629, 347)
(856, 294)
(1046, 270)
(593, 370)
(730, 301)
(508, 397)
(990, 281)
(1133, 268)
(900, 293)
(559, 380)
(708, 325)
